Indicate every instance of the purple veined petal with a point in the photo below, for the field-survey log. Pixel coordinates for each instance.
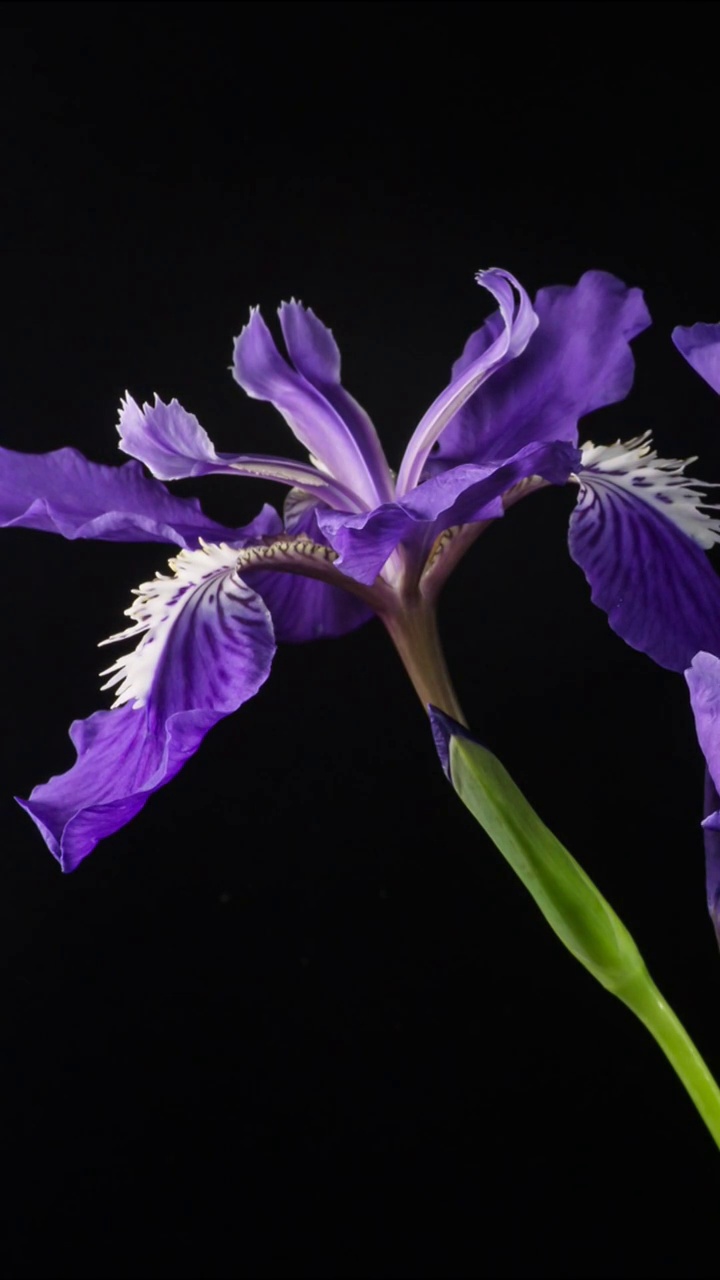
(305, 608)
(265, 375)
(63, 493)
(579, 360)
(173, 445)
(700, 345)
(637, 533)
(459, 496)
(518, 325)
(207, 646)
(703, 679)
(316, 355)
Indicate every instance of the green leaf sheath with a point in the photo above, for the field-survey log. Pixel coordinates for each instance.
(576, 910)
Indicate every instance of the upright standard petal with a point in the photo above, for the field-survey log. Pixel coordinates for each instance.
(173, 445)
(579, 359)
(207, 646)
(313, 418)
(700, 345)
(638, 534)
(316, 355)
(511, 331)
(63, 493)
(703, 678)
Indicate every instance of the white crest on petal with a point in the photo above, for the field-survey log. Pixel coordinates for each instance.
(154, 612)
(634, 466)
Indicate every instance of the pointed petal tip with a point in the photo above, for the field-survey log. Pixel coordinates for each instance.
(253, 311)
(444, 728)
(44, 830)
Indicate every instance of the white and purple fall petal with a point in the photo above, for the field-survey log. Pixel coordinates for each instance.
(206, 646)
(640, 532)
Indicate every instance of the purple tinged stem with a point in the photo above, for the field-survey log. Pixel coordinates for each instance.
(414, 632)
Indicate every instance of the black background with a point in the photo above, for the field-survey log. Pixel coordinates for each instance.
(298, 1018)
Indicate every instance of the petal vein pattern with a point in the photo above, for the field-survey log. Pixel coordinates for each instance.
(636, 467)
(637, 533)
(198, 629)
(207, 648)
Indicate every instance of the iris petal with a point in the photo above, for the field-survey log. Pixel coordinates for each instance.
(632, 539)
(306, 608)
(313, 418)
(578, 360)
(459, 496)
(511, 331)
(173, 445)
(63, 493)
(703, 679)
(316, 355)
(207, 646)
(700, 345)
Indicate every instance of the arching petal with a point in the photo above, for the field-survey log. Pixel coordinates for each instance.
(459, 496)
(579, 359)
(700, 345)
(263, 374)
(306, 608)
(173, 445)
(207, 646)
(510, 333)
(63, 493)
(637, 533)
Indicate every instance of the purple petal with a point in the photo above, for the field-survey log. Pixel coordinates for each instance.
(207, 647)
(63, 493)
(703, 678)
(459, 496)
(263, 373)
(306, 608)
(700, 345)
(578, 360)
(171, 442)
(511, 331)
(316, 355)
(711, 841)
(653, 580)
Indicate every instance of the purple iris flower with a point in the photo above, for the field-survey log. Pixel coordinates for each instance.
(700, 345)
(356, 539)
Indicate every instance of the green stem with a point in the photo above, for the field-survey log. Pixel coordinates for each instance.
(576, 910)
(414, 632)
(572, 905)
(647, 1003)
